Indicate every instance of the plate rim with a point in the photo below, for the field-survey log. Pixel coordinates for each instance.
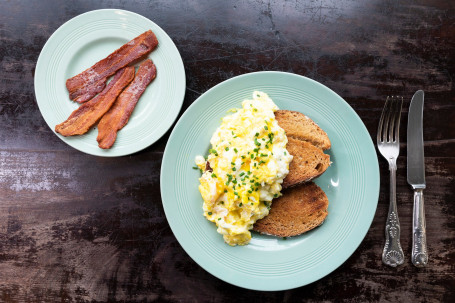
(181, 91)
(361, 235)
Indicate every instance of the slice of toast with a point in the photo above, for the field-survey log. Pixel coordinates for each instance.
(298, 126)
(309, 162)
(299, 210)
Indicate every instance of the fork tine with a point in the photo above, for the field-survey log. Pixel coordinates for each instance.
(380, 134)
(392, 111)
(399, 105)
(389, 105)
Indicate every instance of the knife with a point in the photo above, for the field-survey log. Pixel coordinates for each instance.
(416, 178)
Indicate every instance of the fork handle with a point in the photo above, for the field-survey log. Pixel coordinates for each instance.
(419, 239)
(392, 254)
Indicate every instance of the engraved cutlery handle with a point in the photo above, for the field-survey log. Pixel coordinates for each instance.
(392, 254)
(419, 235)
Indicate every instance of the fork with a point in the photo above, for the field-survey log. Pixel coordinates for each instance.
(388, 140)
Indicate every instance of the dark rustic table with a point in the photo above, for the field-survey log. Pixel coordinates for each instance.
(75, 227)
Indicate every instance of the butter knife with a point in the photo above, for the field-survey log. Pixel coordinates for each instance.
(416, 178)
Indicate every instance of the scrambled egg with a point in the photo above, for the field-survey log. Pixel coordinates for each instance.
(248, 162)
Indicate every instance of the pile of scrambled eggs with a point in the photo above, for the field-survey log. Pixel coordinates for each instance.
(248, 162)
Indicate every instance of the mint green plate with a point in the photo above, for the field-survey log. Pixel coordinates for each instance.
(269, 263)
(89, 38)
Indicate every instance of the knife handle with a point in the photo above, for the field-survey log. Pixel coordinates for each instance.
(419, 235)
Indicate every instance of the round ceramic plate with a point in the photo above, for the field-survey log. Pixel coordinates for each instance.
(270, 263)
(89, 38)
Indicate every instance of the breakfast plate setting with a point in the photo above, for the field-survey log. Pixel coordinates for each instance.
(351, 184)
(228, 151)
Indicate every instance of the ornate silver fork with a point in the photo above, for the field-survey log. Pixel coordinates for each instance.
(388, 140)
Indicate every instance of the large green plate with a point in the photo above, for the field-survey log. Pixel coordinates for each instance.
(89, 38)
(269, 263)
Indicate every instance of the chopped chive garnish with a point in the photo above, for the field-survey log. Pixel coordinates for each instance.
(261, 162)
(243, 157)
(209, 213)
(255, 164)
(255, 109)
(234, 169)
(256, 150)
(257, 184)
(235, 150)
(266, 128)
(266, 146)
(195, 167)
(232, 163)
(250, 191)
(241, 174)
(234, 181)
(285, 153)
(257, 134)
(213, 175)
(241, 204)
(236, 193)
(256, 142)
(252, 156)
(275, 195)
(226, 149)
(219, 219)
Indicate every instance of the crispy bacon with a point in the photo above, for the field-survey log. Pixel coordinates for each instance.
(87, 84)
(83, 118)
(117, 117)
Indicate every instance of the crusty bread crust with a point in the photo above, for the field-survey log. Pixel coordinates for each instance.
(300, 209)
(298, 126)
(309, 162)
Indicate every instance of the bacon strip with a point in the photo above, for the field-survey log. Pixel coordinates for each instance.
(117, 117)
(83, 118)
(87, 84)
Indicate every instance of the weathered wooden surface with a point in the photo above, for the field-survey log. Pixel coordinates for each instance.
(75, 227)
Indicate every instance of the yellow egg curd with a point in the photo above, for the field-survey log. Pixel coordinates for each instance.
(248, 162)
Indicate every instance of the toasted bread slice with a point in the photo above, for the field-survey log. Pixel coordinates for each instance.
(299, 210)
(309, 162)
(298, 126)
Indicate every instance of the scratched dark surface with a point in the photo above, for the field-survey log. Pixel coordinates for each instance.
(77, 228)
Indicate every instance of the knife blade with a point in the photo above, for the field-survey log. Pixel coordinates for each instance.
(416, 163)
(416, 178)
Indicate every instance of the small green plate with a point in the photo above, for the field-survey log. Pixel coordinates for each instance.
(269, 263)
(89, 38)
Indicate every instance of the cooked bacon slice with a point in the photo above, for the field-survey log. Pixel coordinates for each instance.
(83, 118)
(117, 117)
(87, 84)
